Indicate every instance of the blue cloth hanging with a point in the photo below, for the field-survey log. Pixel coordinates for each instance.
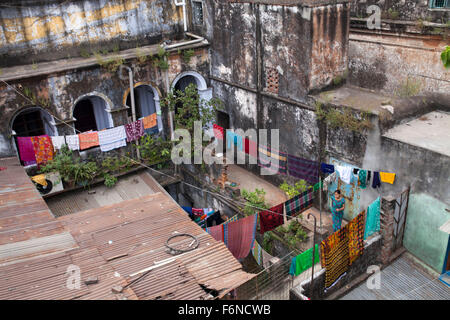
(372, 219)
(326, 168)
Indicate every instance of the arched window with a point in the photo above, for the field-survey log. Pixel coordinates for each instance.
(91, 113)
(188, 77)
(146, 100)
(33, 121)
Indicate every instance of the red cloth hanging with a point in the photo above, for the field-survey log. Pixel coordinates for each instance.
(240, 236)
(218, 132)
(270, 220)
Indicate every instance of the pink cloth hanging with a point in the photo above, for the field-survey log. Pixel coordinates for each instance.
(26, 150)
(216, 232)
(240, 236)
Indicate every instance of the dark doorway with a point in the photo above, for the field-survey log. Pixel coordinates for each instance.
(28, 124)
(223, 120)
(84, 113)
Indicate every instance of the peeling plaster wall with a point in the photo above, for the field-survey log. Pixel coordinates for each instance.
(60, 28)
(386, 62)
(286, 45)
(62, 90)
(233, 52)
(329, 44)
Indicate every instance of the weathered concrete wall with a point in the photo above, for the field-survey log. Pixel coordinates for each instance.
(53, 29)
(329, 44)
(411, 10)
(283, 50)
(422, 235)
(386, 63)
(58, 93)
(233, 52)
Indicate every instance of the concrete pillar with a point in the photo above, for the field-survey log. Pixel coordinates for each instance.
(387, 227)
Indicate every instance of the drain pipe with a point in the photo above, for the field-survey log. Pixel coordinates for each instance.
(179, 3)
(197, 38)
(133, 105)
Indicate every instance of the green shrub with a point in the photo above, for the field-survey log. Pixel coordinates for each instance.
(255, 201)
(110, 180)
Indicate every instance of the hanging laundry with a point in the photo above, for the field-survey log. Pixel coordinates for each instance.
(240, 235)
(73, 142)
(110, 139)
(328, 180)
(88, 139)
(326, 168)
(355, 171)
(251, 148)
(218, 132)
(369, 173)
(273, 160)
(43, 149)
(335, 256)
(197, 212)
(376, 180)
(26, 150)
(149, 121)
(356, 237)
(318, 185)
(269, 220)
(387, 177)
(345, 173)
(216, 232)
(233, 138)
(304, 260)
(303, 169)
(58, 142)
(373, 218)
(257, 252)
(233, 218)
(362, 176)
(299, 203)
(292, 267)
(134, 130)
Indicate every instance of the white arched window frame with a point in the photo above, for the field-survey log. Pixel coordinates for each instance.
(101, 107)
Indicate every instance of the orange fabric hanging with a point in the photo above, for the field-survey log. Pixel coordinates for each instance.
(149, 121)
(387, 177)
(88, 140)
(43, 148)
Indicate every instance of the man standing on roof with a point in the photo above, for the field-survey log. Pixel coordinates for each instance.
(337, 209)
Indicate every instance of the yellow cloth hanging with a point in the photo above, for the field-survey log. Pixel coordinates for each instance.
(40, 179)
(387, 177)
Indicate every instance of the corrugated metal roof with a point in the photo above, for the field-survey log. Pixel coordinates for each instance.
(115, 243)
(402, 280)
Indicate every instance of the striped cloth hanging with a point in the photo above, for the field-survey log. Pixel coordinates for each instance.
(299, 203)
(303, 169)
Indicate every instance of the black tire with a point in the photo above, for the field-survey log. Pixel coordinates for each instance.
(45, 190)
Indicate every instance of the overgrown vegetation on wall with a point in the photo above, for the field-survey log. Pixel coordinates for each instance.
(445, 57)
(344, 118)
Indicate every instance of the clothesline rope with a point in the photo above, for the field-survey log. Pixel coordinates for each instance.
(145, 166)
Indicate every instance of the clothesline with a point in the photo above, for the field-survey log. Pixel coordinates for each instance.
(41, 149)
(286, 164)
